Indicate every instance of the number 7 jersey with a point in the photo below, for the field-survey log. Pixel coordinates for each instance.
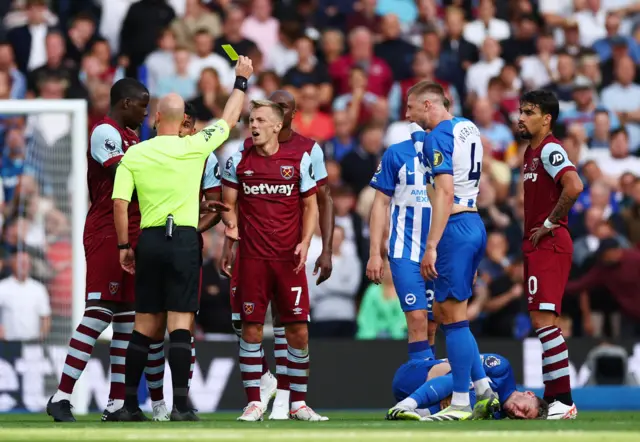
(453, 147)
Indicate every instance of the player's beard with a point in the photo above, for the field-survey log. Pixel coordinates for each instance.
(524, 133)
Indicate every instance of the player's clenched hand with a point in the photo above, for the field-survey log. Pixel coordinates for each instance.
(428, 264)
(228, 259)
(375, 269)
(128, 261)
(209, 206)
(323, 263)
(537, 233)
(244, 68)
(301, 250)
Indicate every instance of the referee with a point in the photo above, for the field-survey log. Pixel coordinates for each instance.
(166, 173)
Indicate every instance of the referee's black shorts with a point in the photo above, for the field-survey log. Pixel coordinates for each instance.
(168, 270)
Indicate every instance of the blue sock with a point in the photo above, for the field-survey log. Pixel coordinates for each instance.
(477, 370)
(420, 350)
(460, 350)
(433, 391)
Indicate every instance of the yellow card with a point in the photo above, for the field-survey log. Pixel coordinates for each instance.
(231, 53)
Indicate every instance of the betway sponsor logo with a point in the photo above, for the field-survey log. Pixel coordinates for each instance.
(268, 189)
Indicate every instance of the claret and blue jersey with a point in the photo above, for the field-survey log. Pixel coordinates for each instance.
(402, 176)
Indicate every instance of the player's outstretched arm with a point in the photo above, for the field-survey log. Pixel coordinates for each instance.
(233, 108)
(309, 220)
(441, 204)
(377, 224)
(212, 217)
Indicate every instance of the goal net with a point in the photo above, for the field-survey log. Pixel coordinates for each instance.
(44, 183)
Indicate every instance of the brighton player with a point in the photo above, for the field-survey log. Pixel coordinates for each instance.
(423, 387)
(452, 153)
(110, 290)
(400, 182)
(288, 139)
(551, 187)
(274, 193)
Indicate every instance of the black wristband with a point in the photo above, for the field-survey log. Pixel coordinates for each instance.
(241, 83)
(124, 246)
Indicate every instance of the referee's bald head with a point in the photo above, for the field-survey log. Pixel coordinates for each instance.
(170, 114)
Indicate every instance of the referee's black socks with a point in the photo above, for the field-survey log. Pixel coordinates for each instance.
(180, 363)
(136, 361)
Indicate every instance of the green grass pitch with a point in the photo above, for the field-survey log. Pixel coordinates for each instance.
(343, 427)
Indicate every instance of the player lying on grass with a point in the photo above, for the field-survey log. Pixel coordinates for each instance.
(423, 387)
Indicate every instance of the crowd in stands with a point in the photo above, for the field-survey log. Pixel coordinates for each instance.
(349, 63)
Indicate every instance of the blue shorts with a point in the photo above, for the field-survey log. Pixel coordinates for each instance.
(414, 292)
(411, 375)
(459, 253)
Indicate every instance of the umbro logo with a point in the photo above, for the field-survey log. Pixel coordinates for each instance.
(248, 172)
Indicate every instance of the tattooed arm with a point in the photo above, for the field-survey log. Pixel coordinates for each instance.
(571, 189)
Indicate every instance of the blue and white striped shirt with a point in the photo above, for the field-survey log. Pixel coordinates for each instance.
(402, 176)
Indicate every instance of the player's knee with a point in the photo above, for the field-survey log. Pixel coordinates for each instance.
(251, 333)
(179, 321)
(417, 324)
(150, 324)
(540, 319)
(297, 334)
(452, 311)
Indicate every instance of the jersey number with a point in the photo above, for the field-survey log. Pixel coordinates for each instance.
(298, 291)
(476, 166)
(533, 285)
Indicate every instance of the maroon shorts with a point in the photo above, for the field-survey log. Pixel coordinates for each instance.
(546, 272)
(260, 279)
(106, 281)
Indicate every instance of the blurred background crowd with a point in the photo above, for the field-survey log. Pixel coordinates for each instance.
(349, 64)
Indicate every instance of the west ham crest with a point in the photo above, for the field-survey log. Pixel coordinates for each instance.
(286, 172)
(534, 163)
(248, 308)
(114, 287)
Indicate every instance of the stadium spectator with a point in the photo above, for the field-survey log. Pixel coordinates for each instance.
(501, 143)
(480, 73)
(283, 55)
(204, 57)
(28, 40)
(523, 40)
(24, 303)
(585, 106)
(358, 102)
(455, 54)
(80, 36)
(182, 82)
(196, 17)
(504, 307)
(232, 35)
(359, 165)
(57, 63)
(493, 266)
(379, 76)
(161, 61)
(343, 141)
(395, 51)
(332, 46)
(380, 315)
(261, 28)
(487, 25)
(309, 121)
(99, 98)
(539, 69)
(18, 86)
(603, 46)
(211, 98)
(597, 229)
(620, 50)
(617, 159)
(309, 71)
(428, 18)
(13, 159)
(631, 215)
(333, 303)
(365, 15)
(601, 137)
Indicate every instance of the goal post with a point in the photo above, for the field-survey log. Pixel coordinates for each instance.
(79, 199)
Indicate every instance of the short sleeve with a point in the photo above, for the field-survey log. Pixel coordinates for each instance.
(106, 145)
(211, 178)
(385, 177)
(438, 151)
(555, 160)
(210, 138)
(123, 185)
(229, 176)
(307, 176)
(319, 168)
(44, 307)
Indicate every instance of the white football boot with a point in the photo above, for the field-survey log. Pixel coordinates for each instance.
(160, 412)
(306, 413)
(560, 411)
(254, 412)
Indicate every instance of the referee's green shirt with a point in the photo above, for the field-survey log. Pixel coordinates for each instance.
(166, 172)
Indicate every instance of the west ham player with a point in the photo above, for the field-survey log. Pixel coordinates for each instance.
(400, 182)
(452, 153)
(110, 290)
(551, 187)
(422, 387)
(288, 139)
(274, 193)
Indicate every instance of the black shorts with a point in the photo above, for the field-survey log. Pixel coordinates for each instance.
(167, 270)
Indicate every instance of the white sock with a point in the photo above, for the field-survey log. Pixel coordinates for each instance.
(422, 412)
(61, 396)
(266, 377)
(282, 398)
(409, 402)
(481, 386)
(115, 405)
(460, 399)
(297, 404)
(160, 402)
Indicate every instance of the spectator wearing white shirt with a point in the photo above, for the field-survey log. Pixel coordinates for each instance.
(261, 27)
(333, 303)
(623, 97)
(24, 304)
(615, 161)
(206, 58)
(283, 55)
(161, 62)
(487, 25)
(538, 70)
(555, 12)
(489, 66)
(591, 22)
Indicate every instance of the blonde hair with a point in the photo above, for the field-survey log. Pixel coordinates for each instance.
(275, 107)
(430, 87)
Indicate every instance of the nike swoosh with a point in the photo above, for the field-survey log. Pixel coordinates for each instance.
(411, 173)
